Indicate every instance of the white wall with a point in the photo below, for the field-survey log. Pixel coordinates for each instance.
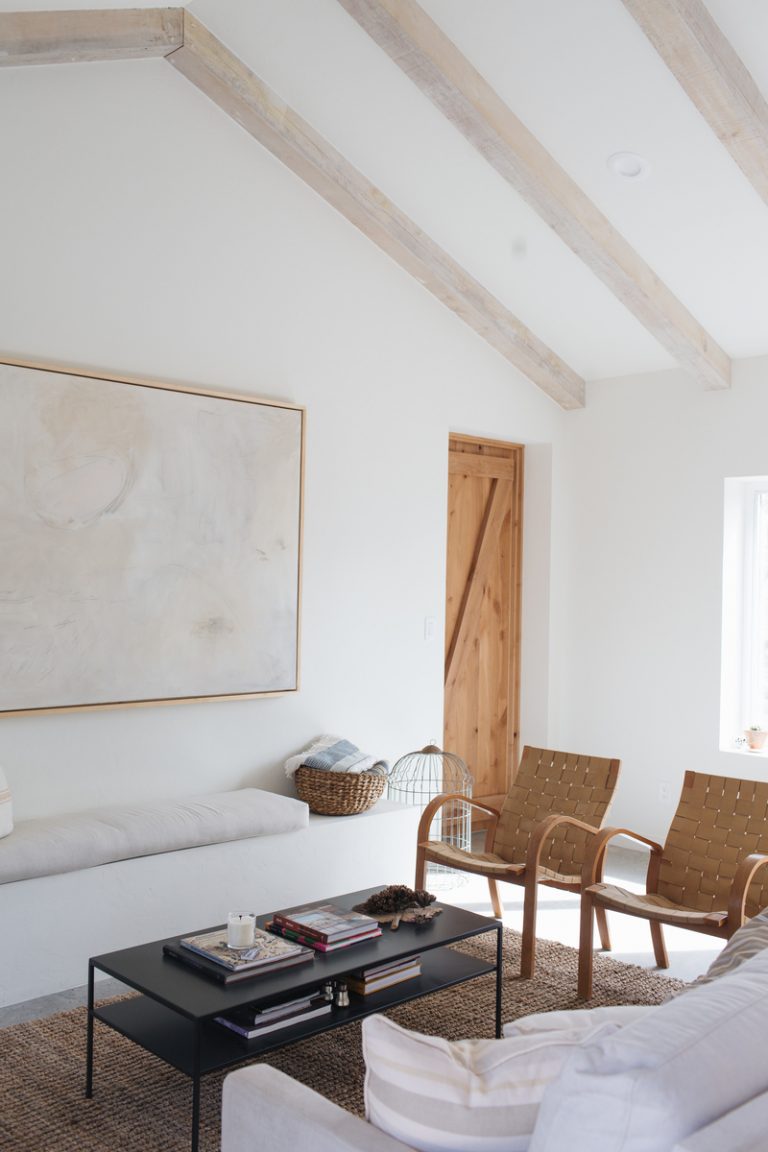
(637, 578)
(142, 232)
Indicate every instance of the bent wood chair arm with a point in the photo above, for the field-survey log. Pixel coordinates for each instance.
(536, 842)
(737, 898)
(435, 805)
(592, 871)
(544, 829)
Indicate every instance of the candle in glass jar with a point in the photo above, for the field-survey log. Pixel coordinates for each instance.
(241, 929)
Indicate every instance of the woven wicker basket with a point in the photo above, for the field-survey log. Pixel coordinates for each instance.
(338, 793)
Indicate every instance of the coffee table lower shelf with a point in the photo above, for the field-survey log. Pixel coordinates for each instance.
(165, 1033)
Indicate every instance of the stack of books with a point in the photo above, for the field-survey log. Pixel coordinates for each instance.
(369, 980)
(324, 927)
(253, 1022)
(210, 954)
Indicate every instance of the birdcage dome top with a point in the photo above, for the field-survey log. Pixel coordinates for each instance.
(432, 765)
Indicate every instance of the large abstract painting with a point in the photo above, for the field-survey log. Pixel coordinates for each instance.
(150, 542)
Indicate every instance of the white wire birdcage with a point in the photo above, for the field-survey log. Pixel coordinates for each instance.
(419, 777)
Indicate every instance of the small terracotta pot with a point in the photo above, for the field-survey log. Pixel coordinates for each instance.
(755, 740)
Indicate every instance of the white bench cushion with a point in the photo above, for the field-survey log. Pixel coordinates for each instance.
(67, 843)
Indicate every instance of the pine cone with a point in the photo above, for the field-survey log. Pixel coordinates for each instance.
(395, 898)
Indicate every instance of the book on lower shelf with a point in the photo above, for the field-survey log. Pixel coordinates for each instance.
(326, 922)
(321, 945)
(250, 1023)
(284, 1007)
(366, 981)
(209, 953)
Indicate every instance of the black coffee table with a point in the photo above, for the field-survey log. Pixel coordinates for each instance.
(174, 1016)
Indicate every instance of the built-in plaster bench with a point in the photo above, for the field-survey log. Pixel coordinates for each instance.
(79, 884)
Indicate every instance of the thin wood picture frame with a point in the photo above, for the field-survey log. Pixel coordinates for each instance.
(150, 541)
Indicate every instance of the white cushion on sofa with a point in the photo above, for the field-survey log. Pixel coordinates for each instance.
(640, 1089)
(469, 1096)
(102, 835)
(6, 807)
(577, 1023)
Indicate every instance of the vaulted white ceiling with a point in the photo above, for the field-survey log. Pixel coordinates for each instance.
(585, 79)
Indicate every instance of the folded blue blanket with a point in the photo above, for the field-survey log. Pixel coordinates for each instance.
(332, 754)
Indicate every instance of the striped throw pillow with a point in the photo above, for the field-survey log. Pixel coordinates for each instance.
(746, 942)
(6, 808)
(465, 1096)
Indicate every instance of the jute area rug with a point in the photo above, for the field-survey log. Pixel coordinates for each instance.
(142, 1105)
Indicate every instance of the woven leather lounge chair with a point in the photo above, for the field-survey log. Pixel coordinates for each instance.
(540, 836)
(702, 878)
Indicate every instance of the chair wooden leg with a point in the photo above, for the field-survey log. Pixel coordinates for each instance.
(585, 947)
(659, 947)
(421, 869)
(498, 908)
(528, 945)
(601, 916)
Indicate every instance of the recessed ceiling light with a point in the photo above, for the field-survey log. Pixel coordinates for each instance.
(629, 165)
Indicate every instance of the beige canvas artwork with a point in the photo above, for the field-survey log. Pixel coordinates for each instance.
(149, 542)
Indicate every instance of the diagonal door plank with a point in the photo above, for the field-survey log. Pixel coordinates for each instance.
(467, 619)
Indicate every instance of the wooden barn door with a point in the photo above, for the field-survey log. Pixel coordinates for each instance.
(482, 635)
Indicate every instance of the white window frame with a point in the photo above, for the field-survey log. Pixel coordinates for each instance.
(745, 618)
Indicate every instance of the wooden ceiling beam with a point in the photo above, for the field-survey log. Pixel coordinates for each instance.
(431, 60)
(88, 34)
(714, 78)
(208, 64)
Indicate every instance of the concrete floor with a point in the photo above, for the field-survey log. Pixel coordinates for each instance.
(690, 954)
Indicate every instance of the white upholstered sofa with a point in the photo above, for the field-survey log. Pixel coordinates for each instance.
(690, 1075)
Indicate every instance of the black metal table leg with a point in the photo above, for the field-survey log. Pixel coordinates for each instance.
(499, 961)
(196, 1091)
(89, 1042)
